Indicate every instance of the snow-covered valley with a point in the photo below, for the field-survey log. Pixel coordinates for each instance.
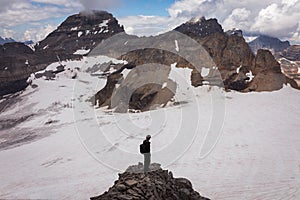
(230, 145)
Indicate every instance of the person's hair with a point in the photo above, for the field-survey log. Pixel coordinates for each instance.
(148, 137)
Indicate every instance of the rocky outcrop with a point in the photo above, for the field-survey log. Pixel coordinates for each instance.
(266, 42)
(17, 62)
(267, 73)
(292, 53)
(229, 50)
(143, 88)
(153, 185)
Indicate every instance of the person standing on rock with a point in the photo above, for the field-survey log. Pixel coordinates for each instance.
(146, 151)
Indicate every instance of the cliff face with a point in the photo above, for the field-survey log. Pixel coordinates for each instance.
(292, 53)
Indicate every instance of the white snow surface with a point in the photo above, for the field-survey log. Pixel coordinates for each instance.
(256, 156)
(82, 51)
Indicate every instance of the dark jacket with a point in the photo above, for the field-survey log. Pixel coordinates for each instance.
(147, 146)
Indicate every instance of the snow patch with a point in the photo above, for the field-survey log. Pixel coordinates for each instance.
(46, 47)
(204, 71)
(104, 23)
(176, 46)
(80, 33)
(238, 69)
(250, 76)
(82, 52)
(74, 29)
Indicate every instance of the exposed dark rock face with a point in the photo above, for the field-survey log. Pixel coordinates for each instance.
(81, 31)
(266, 42)
(292, 53)
(155, 185)
(17, 62)
(267, 71)
(229, 51)
(145, 87)
(200, 27)
(291, 70)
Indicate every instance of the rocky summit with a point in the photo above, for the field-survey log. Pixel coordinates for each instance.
(82, 31)
(154, 185)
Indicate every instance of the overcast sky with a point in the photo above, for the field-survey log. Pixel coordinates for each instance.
(34, 19)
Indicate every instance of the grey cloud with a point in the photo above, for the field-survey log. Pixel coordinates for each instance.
(100, 4)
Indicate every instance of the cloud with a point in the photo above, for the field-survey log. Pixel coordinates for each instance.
(279, 18)
(238, 18)
(145, 25)
(38, 34)
(100, 4)
(7, 33)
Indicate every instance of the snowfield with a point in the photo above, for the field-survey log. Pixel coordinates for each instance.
(55, 145)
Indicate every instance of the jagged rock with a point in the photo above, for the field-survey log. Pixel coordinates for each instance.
(145, 87)
(228, 50)
(200, 27)
(155, 185)
(267, 71)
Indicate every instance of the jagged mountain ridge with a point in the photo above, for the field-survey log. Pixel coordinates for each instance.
(267, 42)
(87, 30)
(6, 40)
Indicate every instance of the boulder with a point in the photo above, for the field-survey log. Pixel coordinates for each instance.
(267, 73)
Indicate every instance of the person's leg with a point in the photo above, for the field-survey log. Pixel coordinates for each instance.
(147, 160)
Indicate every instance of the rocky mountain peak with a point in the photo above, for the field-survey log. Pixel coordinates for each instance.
(267, 42)
(81, 31)
(200, 27)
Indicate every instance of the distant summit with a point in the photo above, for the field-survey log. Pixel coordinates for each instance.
(81, 31)
(266, 42)
(6, 40)
(200, 27)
